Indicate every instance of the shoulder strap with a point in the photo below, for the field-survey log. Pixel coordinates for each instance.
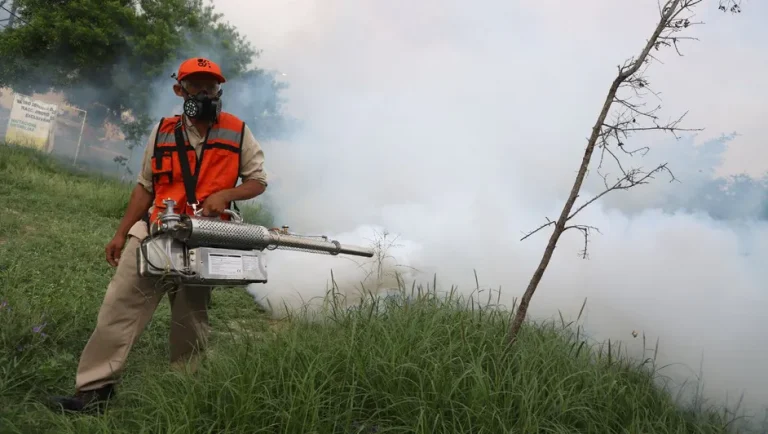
(155, 150)
(156, 153)
(239, 160)
(190, 180)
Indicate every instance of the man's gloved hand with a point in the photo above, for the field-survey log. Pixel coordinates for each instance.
(215, 204)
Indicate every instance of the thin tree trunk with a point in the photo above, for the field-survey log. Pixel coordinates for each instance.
(522, 309)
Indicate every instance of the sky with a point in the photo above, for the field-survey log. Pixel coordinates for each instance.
(460, 126)
(4, 14)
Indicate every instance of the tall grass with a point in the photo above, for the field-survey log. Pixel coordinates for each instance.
(417, 361)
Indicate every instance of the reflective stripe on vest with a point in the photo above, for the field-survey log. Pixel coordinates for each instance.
(218, 164)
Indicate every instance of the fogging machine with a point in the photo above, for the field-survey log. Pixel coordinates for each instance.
(210, 251)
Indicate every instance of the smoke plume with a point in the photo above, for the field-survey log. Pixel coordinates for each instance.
(459, 127)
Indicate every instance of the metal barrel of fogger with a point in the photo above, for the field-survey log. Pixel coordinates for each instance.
(196, 232)
(320, 245)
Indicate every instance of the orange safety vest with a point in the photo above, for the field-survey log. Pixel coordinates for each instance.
(218, 167)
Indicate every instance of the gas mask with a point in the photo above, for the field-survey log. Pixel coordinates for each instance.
(202, 106)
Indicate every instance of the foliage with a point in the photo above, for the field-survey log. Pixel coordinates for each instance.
(109, 56)
(736, 196)
(700, 188)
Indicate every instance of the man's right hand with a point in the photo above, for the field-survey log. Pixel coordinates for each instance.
(114, 249)
(138, 206)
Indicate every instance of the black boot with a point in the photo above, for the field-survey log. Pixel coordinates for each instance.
(84, 401)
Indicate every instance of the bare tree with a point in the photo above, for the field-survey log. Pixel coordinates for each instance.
(609, 136)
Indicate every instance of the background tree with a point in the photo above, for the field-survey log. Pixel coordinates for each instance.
(610, 136)
(106, 56)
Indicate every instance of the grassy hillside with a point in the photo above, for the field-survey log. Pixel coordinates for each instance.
(426, 366)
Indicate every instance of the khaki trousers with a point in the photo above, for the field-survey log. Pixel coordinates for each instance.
(129, 303)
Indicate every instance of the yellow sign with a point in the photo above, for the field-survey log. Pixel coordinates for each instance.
(31, 122)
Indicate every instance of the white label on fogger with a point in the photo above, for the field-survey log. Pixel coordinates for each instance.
(225, 265)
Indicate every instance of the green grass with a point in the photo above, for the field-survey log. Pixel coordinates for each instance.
(428, 366)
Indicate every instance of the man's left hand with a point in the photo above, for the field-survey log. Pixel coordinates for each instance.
(215, 204)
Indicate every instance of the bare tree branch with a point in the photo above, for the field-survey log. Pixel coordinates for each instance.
(548, 223)
(585, 231)
(632, 178)
(610, 134)
(733, 6)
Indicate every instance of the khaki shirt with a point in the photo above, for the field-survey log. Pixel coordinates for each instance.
(251, 163)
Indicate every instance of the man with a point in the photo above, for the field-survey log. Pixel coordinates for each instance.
(220, 148)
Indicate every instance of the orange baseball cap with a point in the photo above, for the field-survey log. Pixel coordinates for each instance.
(199, 65)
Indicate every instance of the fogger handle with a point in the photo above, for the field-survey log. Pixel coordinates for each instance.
(235, 216)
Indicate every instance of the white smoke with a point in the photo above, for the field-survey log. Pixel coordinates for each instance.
(459, 126)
